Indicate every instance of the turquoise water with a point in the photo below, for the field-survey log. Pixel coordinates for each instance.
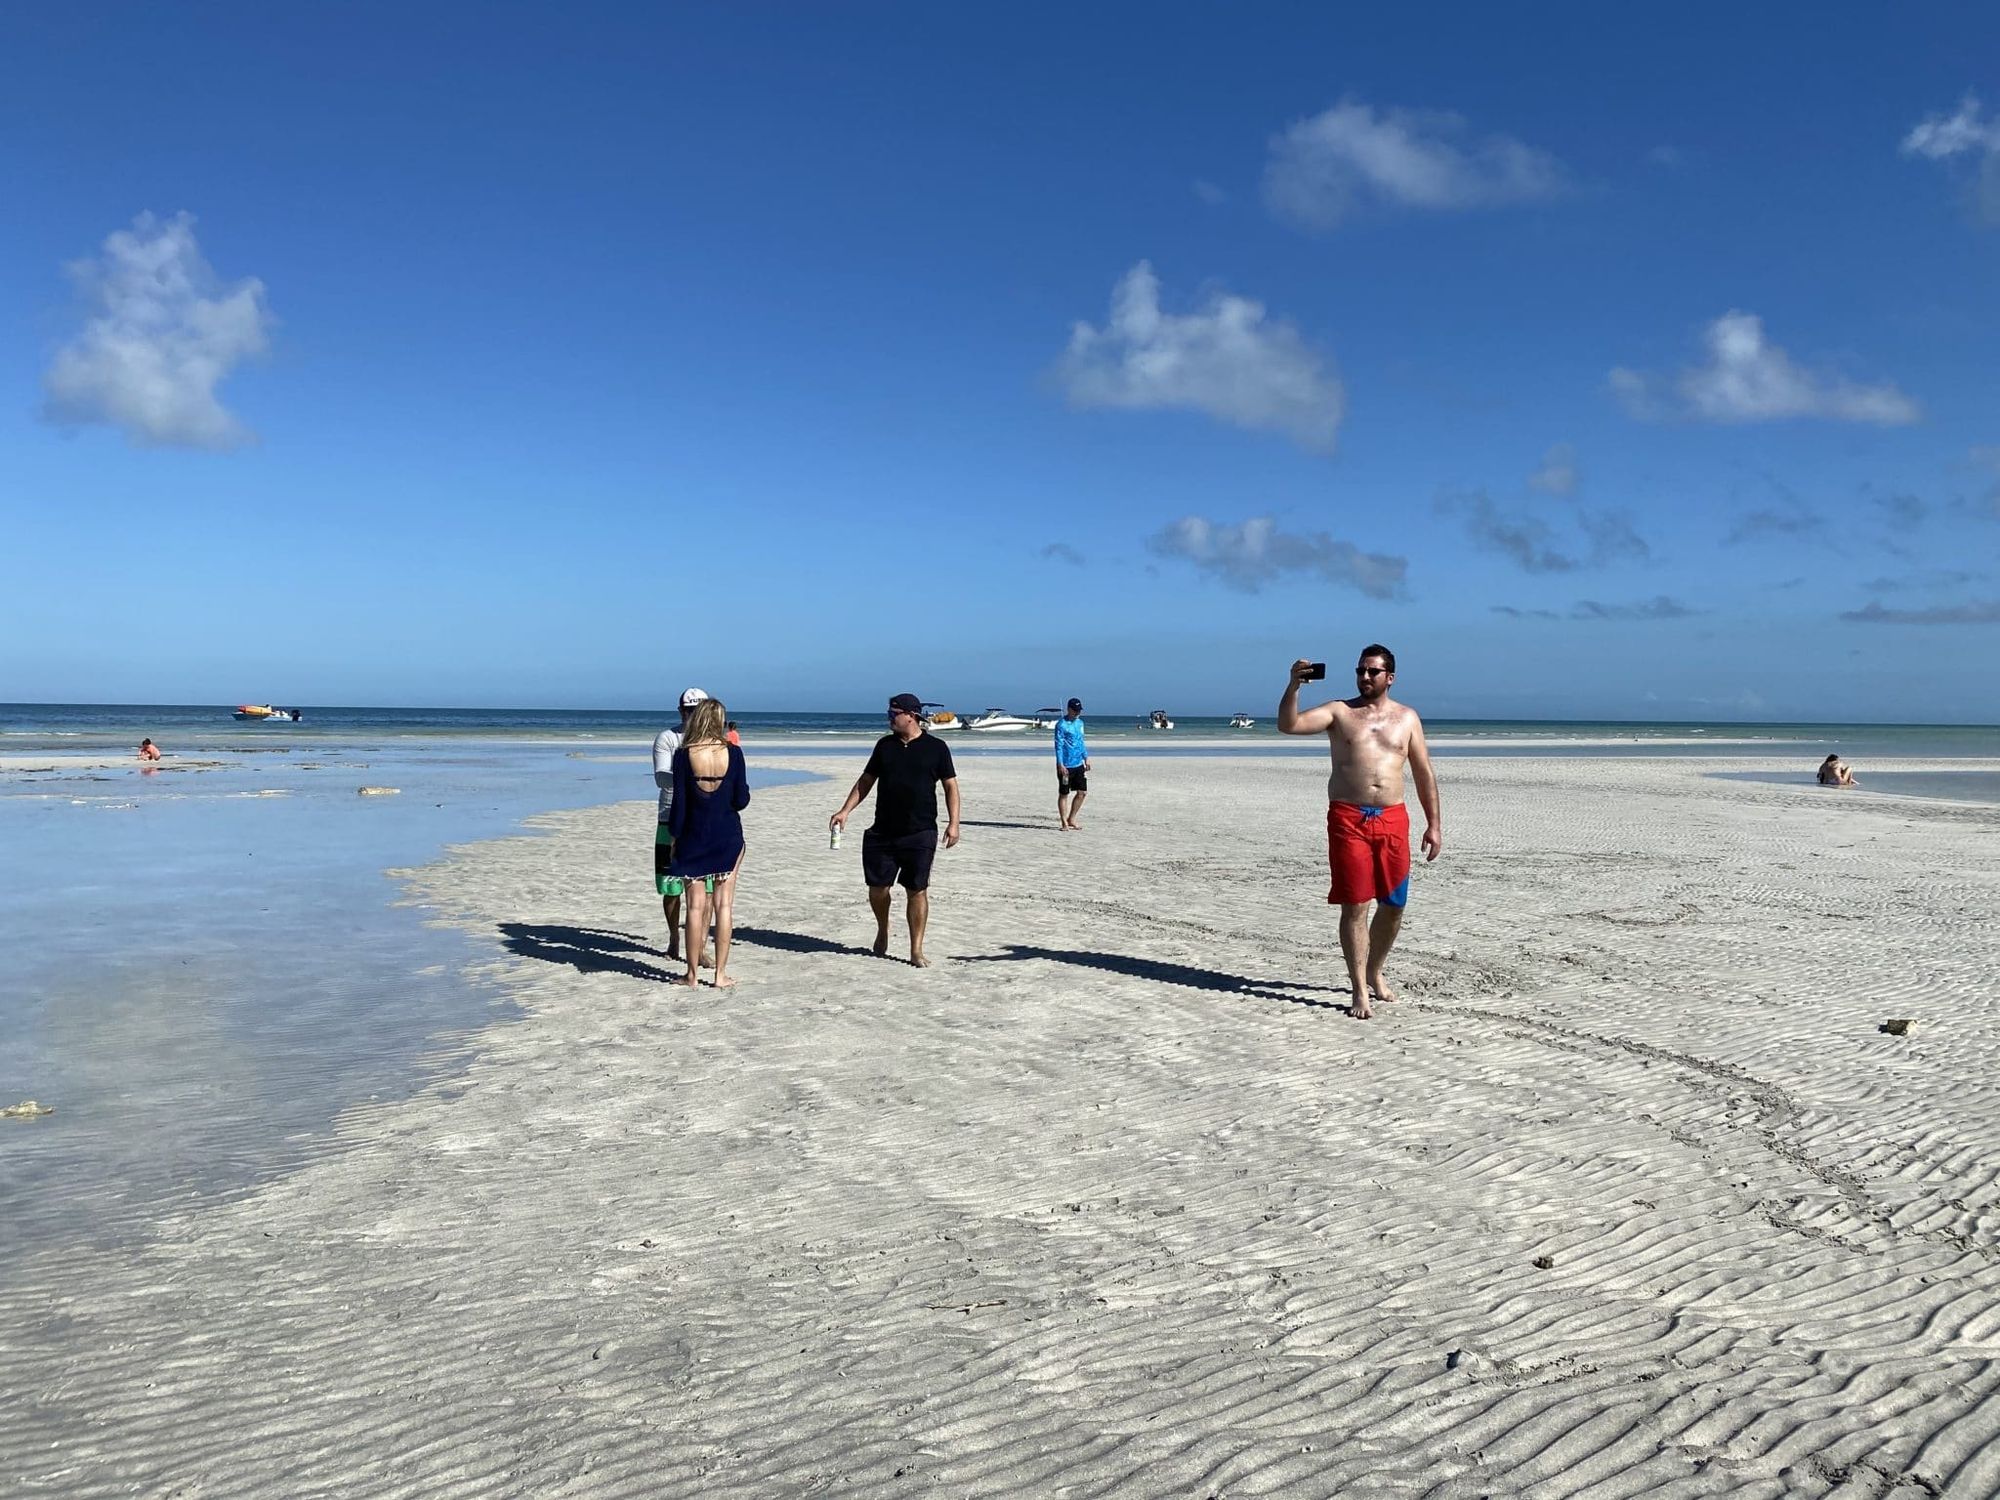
(189, 729)
(199, 971)
(201, 966)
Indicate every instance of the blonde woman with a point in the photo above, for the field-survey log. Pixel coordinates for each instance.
(711, 789)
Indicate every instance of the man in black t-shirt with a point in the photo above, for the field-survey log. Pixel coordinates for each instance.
(898, 847)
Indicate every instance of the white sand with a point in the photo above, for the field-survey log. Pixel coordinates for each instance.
(118, 760)
(1116, 1199)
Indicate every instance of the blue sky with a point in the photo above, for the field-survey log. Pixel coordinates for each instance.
(1602, 364)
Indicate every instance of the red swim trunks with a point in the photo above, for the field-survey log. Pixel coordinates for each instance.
(1369, 849)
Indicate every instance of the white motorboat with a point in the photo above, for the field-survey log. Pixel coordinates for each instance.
(1242, 721)
(999, 718)
(1047, 718)
(937, 717)
(1157, 719)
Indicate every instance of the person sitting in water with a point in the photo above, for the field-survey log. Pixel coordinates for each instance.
(1833, 771)
(148, 750)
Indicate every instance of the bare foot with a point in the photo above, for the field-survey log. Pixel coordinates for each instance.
(673, 953)
(708, 958)
(918, 961)
(692, 982)
(881, 948)
(1361, 1010)
(724, 982)
(1380, 988)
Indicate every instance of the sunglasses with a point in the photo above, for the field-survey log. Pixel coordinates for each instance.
(1371, 671)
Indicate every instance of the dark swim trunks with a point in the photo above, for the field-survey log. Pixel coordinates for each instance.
(904, 861)
(1078, 780)
(1369, 851)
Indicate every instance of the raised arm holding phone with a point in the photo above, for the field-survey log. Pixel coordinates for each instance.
(1367, 826)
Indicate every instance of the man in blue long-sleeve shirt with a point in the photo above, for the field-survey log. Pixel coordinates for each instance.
(1072, 765)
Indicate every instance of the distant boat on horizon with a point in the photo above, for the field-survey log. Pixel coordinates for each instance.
(262, 713)
(1242, 721)
(1157, 719)
(999, 718)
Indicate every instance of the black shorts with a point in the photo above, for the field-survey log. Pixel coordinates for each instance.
(1079, 780)
(904, 861)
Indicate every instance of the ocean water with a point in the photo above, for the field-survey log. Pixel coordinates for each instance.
(206, 729)
(201, 965)
(200, 969)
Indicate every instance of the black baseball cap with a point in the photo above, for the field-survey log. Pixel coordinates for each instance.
(1077, 704)
(907, 703)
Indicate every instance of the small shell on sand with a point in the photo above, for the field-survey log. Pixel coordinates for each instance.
(380, 791)
(27, 1109)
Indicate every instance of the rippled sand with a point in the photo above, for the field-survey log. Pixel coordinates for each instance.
(1628, 1195)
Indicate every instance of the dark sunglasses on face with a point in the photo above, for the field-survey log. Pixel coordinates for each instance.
(1370, 671)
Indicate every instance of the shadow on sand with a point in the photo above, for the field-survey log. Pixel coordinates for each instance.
(597, 950)
(1161, 971)
(976, 823)
(795, 942)
(588, 950)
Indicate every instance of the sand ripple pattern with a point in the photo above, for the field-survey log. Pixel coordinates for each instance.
(1627, 1197)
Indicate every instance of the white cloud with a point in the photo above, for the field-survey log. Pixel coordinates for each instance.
(1525, 539)
(162, 334)
(1255, 553)
(1926, 578)
(1352, 158)
(1529, 541)
(1227, 359)
(1790, 521)
(1749, 379)
(1659, 607)
(1209, 193)
(1977, 612)
(1940, 136)
(1557, 475)
(1613, 536)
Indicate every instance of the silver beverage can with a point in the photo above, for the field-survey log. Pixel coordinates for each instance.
(833, 842)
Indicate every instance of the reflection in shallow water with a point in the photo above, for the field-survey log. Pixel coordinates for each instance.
(199, 976)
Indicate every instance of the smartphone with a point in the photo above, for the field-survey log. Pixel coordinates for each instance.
(1315, 673)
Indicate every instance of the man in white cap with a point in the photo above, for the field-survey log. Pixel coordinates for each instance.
(665, 743)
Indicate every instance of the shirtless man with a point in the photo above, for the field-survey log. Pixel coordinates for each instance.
(1367, 826)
